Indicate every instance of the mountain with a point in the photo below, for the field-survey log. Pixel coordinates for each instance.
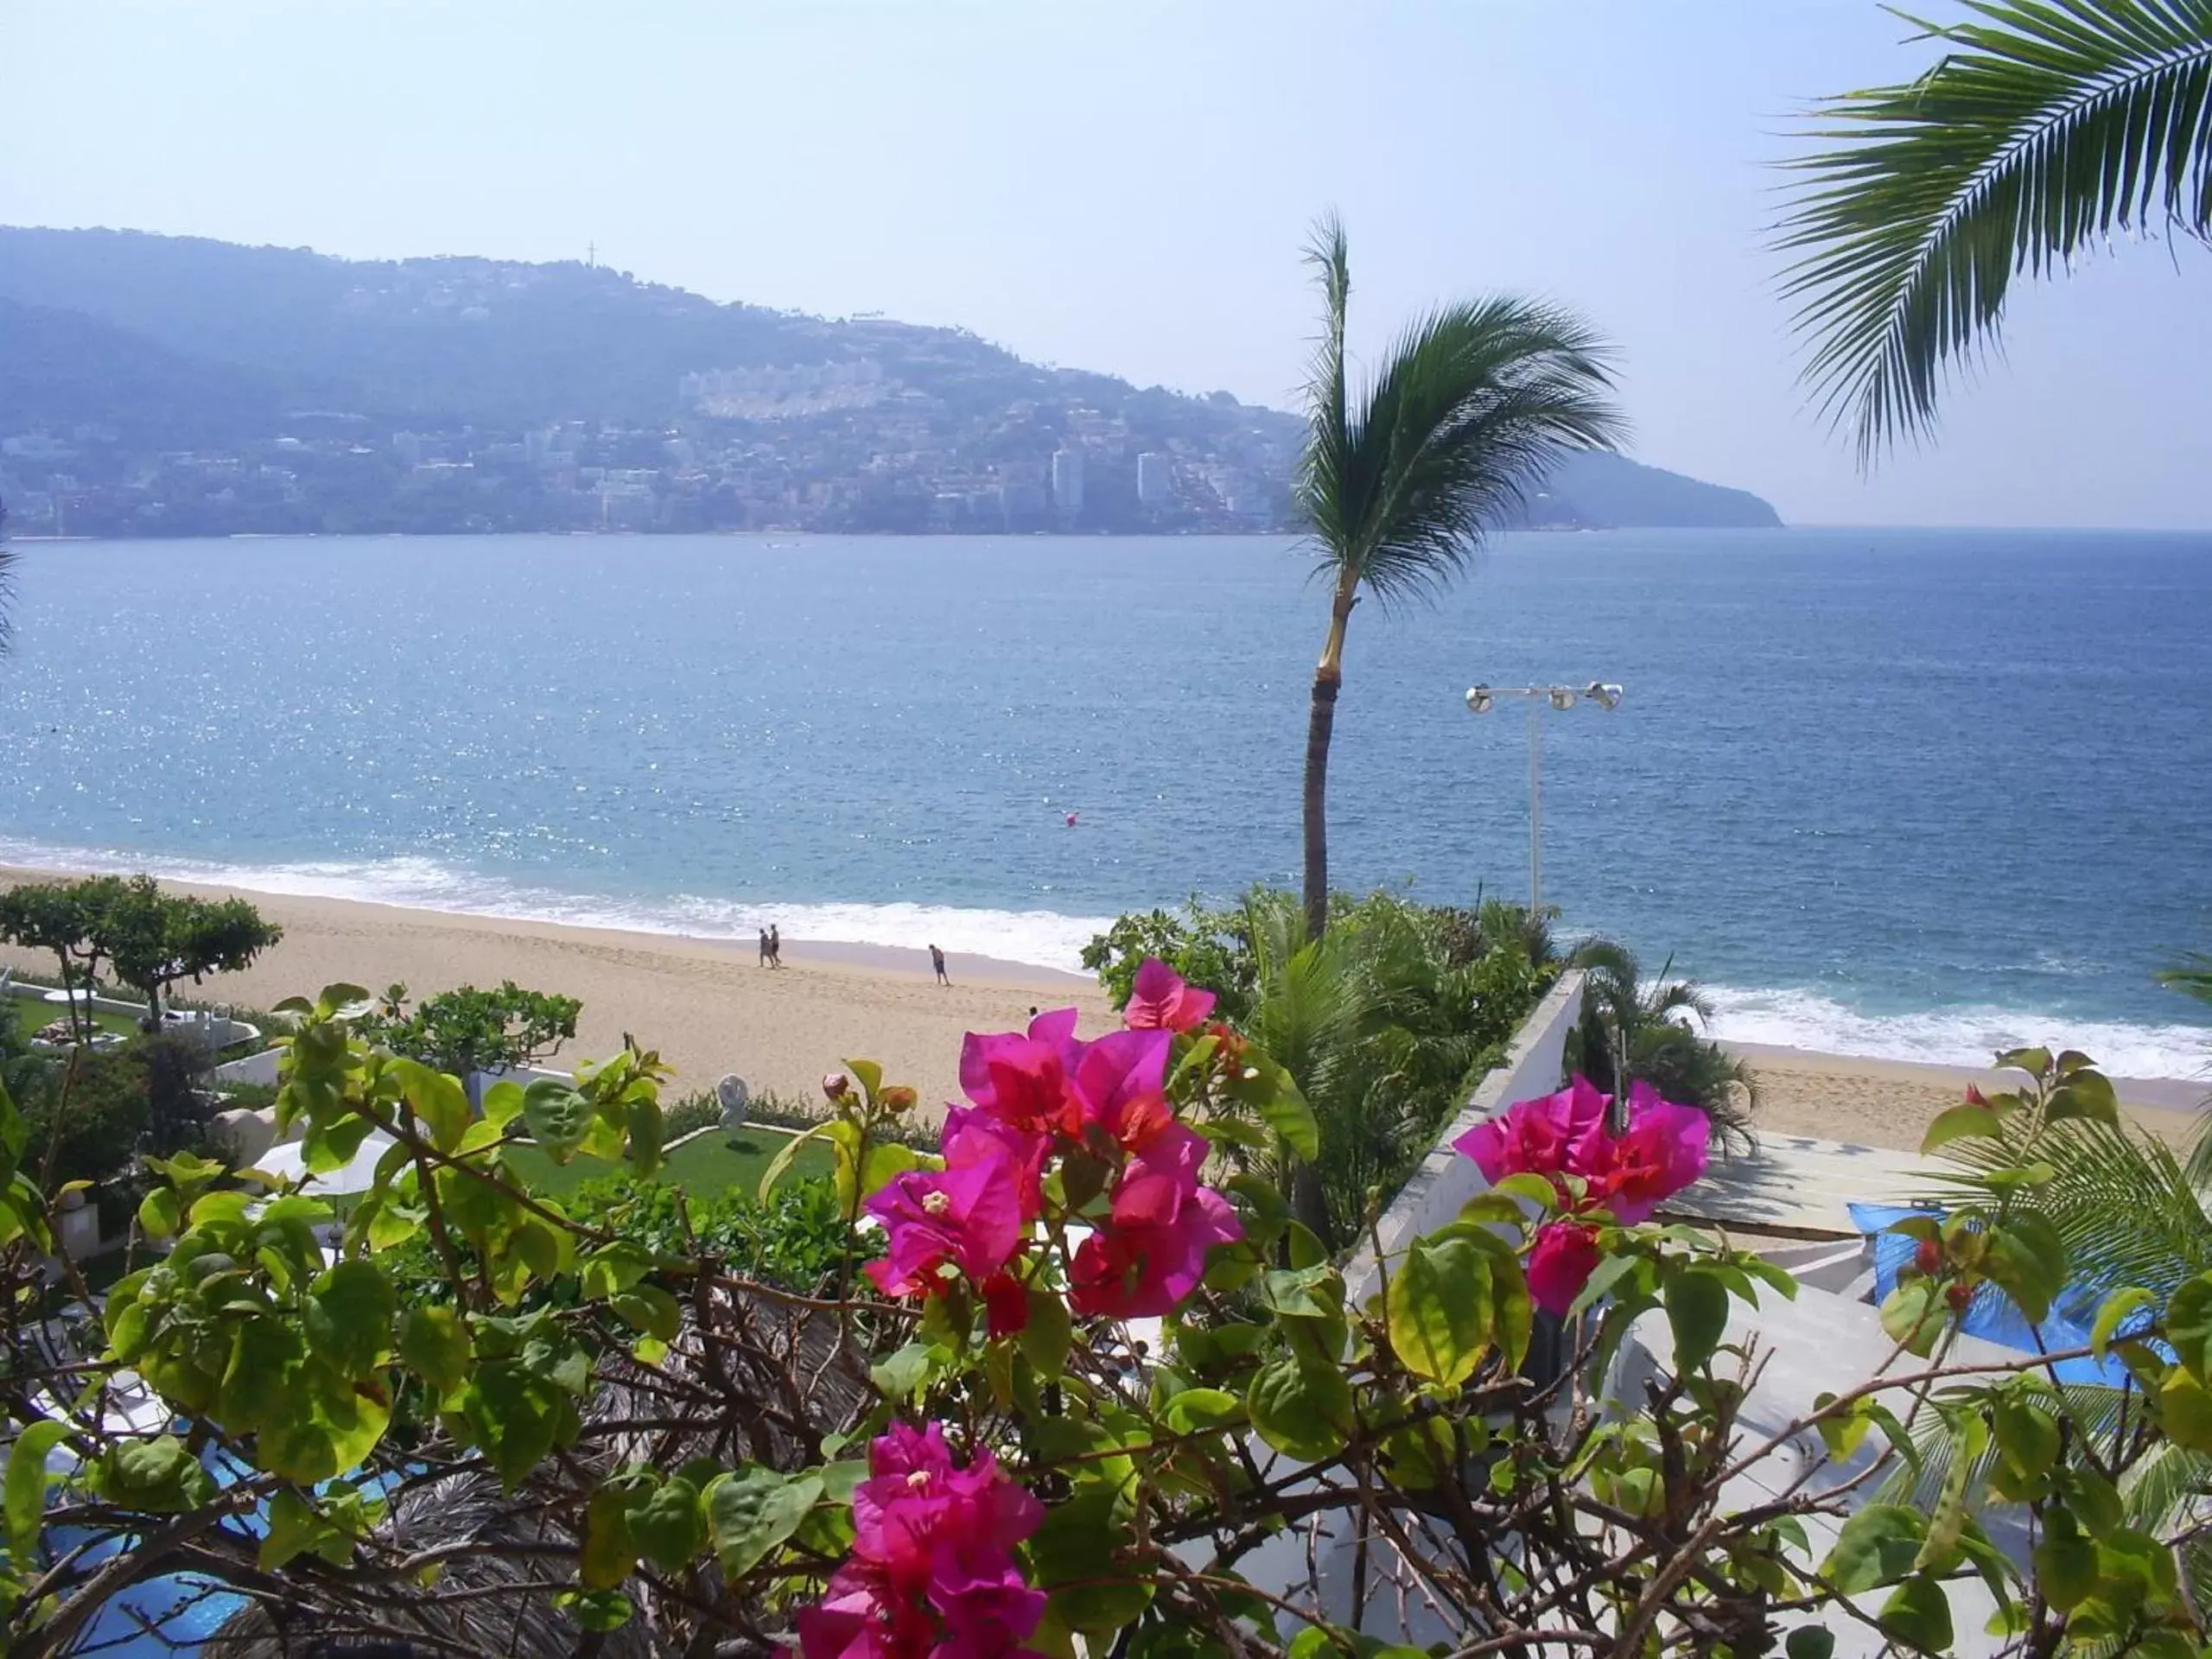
(155, 385)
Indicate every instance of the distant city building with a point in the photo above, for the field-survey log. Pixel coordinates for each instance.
(1155, 481)
(1067, 482)
(539, 451)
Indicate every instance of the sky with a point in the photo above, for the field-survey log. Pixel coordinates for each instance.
(1125, 186)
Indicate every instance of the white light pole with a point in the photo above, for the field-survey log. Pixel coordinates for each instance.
(1481, 699)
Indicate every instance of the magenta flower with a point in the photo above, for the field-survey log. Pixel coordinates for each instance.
(1119, 1069)
(931, 1574)
(967, 1216)
(1565, 1256)
(973, 1135)
(1151, 1252)
(1161, 999)
(1663, 1151)
(1536, 1136)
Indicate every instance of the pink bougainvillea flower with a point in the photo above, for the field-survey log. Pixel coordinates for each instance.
(1119, 1069)
(931, 1574)
(1007, 1304)
(1662, 1152)
(1023, 1082)
(1138, 1265)
(968, 1216)
(972, 1135)
(1161, 999)
(1536, 1136)
(1565, 1256)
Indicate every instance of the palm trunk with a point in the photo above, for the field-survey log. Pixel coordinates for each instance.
(1321, 724)
(1319, 727)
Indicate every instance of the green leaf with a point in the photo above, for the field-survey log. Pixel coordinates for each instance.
(1045, 1339)
(503, 1103)
(903, 1374)
(608, 1554)
(349, 1316)
(1304, 1411)
(1959, 1123)
(650, 1309)
(294, 1528)
(22, 1495)
(160, 1213)
(1809, 1641)
(1875, 1547)
(433, 1343)
(2033, 1061)
(2186, 1408)
(1193, 1410)
(1536, 1189)
(754, 1511)
(869, 1074)
(558, 1116)
(1607, 1273)
(156, 1474)
(1697, 1310)
(2084, 1094)
(2189, 1326)
(2065, 1568)
(1079, 1541)
(438, 1101)
(2027, 1257)
(1912, 1314)
(669, 1527)
(1918, 1614)
(597, 1611)
(1438, 1309)
(2111, 1312)
(1283, 1109)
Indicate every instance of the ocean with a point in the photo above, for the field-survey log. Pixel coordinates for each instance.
(1915, 793)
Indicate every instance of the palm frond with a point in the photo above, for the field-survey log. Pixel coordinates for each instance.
(1470, 407)
(2047, 126)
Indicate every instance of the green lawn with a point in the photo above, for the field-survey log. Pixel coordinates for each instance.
(705, 1167)
(33, 1014)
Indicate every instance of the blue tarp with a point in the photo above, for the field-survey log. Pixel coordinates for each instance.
(1991, 1315)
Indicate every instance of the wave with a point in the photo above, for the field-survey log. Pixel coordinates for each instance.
(1037, 939)
(1966, 1036)
(1044, 938)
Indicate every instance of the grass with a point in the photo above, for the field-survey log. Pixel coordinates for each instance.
(706, 1167)
(34, 1014)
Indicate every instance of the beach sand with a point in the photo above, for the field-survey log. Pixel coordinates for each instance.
(1891, 1103)
(709, 1009)
(706, 1005)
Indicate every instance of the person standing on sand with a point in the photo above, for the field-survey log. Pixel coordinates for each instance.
(937, 961)
(775, 946)
(764, 947)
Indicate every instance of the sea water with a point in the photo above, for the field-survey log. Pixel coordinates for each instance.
(1909, 792)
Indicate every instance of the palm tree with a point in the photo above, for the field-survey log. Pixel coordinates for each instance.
(1653, 1031)
(1399, 483)
(2047, 126)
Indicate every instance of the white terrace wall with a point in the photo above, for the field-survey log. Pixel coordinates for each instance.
(1295, 1563)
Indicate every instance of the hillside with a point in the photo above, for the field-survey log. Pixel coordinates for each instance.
(176, 385)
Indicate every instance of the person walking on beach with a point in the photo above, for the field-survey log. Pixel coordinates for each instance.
(937, 961)
(775, 946)
(764, 947)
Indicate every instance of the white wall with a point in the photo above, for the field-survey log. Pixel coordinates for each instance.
(1443, 1183)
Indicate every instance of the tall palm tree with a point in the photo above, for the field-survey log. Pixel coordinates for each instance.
(2047, 126)
(1399, 481)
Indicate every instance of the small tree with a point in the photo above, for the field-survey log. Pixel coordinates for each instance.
(68, 919)
(467, 1031)
(155, 938)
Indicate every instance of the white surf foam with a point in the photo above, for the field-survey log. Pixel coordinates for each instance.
(1955, 1036)
(1038, 938)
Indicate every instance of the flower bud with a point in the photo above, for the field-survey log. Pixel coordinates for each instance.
(1958, 1294)
(898, 1098)
(834, 1084)
(1929, 1257)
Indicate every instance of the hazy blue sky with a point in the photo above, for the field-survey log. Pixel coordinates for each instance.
(1122, 187)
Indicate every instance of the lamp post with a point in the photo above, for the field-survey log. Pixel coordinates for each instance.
(1481, 699)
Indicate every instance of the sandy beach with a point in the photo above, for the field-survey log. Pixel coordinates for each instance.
(710, 1008)
(706, 1005)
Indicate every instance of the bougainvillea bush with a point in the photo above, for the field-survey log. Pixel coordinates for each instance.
(1080, 1384)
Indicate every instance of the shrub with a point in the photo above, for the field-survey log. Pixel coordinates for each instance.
(467, 1031)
